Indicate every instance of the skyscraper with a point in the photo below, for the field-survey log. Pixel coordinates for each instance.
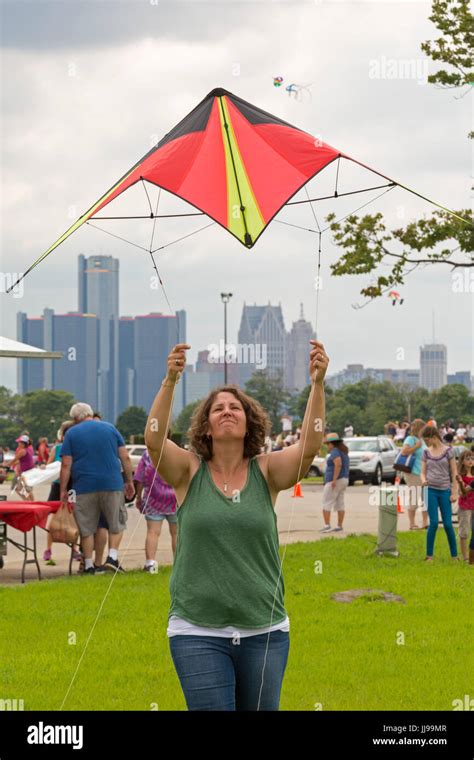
(126, 363)
(98, 284)
(262, 341)
(76, 336)
(30, 372)
(433, 366)
(154, 336)
(297, 354)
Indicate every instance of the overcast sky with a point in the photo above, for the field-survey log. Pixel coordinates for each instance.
(88, 88)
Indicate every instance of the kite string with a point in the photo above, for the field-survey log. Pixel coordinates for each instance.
(309, 406)
(148, 197)
(112, 234)
(190, 234)
(143, 512)
(101, 606)
(141, 247)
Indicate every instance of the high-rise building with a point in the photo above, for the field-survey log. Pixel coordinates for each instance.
(30, 372)
(262, 342)
(433, 366)
(297, 354)
(461, 378)
(98, 283)
(133, 390)
(355, 373)
(126, 363)
(154, 336)
(200, 383)
(408, 377)
(206, 362)
(76, 336)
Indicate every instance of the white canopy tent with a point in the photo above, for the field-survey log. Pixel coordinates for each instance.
(14, 350)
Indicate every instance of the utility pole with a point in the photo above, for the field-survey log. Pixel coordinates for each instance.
(225, 297)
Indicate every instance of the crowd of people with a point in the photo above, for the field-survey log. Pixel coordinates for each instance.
(450, 431)
(226, 585)
(102, 483)
(96, 477)
(435, 481)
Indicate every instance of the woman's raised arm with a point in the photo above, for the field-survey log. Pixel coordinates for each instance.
(171, 461)
(286, 467)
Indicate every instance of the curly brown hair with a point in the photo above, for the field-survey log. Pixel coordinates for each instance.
(258, 423)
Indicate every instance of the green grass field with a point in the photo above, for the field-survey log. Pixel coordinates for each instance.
(343, 656)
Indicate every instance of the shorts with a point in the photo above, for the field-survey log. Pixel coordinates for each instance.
(465, 522)
(89, 506)
(412, 494)
(333, 498)
(172, 518)
(102, 522)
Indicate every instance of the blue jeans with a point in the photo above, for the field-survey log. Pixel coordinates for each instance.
(440, 498)
(216, 674)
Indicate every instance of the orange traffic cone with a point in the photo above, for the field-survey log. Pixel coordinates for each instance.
(400, 509)
(297, 491)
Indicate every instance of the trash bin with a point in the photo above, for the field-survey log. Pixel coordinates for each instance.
(387, 528)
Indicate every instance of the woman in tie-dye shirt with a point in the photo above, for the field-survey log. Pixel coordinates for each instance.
(157, 501)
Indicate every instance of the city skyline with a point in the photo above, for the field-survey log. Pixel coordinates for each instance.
(115, 368)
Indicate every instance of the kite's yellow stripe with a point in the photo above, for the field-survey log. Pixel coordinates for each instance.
(253, 215)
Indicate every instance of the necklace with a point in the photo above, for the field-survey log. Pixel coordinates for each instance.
(227, 483)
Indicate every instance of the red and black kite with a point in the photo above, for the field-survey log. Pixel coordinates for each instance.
(237, 164)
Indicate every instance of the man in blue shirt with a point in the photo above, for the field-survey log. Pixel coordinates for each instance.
(91, 453)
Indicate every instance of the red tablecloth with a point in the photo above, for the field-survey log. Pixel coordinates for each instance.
(24, 515)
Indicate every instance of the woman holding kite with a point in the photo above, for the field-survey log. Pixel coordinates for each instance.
(227, 623)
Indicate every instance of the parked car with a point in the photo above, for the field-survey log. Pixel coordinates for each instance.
(136, 452)
(317, 468)
(371, 459)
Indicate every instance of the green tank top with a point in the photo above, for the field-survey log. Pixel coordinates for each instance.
(227, 569)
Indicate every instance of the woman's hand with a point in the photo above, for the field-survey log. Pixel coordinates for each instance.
(177, 361)
(318, 362)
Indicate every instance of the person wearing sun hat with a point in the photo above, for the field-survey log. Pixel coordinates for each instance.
(336, 480)
(23, 461)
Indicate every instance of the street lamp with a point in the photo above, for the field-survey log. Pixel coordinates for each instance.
(225, 297)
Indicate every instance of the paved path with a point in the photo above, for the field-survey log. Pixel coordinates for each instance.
(299, 519)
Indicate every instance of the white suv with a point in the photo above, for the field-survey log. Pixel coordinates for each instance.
(136, 452)
(371, 459)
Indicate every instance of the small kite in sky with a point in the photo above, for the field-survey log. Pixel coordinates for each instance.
(277, 81)
(296, 91)
(395, 297)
